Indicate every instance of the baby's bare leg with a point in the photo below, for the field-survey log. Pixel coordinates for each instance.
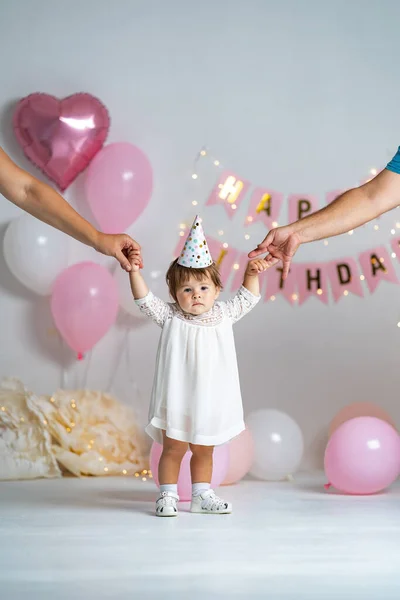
(170, 461)
(201, 465)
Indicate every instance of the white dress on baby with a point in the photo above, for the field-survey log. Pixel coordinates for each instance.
(196, 394)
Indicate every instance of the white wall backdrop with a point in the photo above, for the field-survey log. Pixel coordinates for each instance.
(298, 96)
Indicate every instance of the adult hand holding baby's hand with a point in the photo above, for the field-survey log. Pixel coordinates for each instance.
(135, 259)
(256, 266)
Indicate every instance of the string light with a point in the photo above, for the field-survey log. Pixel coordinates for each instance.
(376, 227)
(225, 245)
(392, 231)
(345, 293)
(52, 400)
(294, 296)
(326, 242)
(236, 266)
(362, 277)
(351, 232)
(398, 324)
(274, 224)
(250, 219)
(3, 408)
(124, 472)
(373, 171)
(320, 292)
(194, 176)
(203, 153)
(246, 237)
(106, 469)
(398, 225)
(272, 298)
(216, 163)
(181, 233)
(394, 254)
(220, 232)
(194, 202)
(22, 419)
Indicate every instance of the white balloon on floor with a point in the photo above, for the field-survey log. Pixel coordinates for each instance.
(278, 444)
(35, 253)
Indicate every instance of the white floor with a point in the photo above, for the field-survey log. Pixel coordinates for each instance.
(97, 538)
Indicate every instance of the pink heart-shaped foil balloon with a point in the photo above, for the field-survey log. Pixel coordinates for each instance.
(61, 136)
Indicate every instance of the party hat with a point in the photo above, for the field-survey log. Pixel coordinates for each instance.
(195, 253)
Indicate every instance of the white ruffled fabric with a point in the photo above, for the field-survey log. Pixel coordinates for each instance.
(86, 432)
(25, 443)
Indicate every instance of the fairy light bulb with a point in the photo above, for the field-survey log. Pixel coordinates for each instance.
(272, 298)
(320, 292)
(326, 242)
(274, 224)
(392, 231)
(246, 237)
(362, 277)
(249, 219)
(351, 232)
(194, 176)
(220, 232)
(345, 293)
(394, 254)
(203, 153)
(236, 266)
(376, 227)
(225, 245)
(373, 171)
(216, 163)
(195, 203)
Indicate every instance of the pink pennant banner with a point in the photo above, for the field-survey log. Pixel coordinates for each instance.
(377, 266)
(229, 191)
(224, 257)
(312, 281)
(239, 268)
(395, 244)
(344, 277)
(265, 206)
(276, 286)
(301, 205)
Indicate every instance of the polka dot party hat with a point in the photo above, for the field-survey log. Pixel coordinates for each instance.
(195, 253)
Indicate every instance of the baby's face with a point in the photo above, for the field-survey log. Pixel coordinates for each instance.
(197, 297)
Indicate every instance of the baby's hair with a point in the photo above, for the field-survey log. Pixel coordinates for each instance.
(177, 275)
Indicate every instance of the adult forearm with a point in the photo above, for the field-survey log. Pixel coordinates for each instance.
(352, 209)
(44, 203)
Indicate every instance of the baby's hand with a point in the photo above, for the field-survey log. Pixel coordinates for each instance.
(256, 266)
(135, 259)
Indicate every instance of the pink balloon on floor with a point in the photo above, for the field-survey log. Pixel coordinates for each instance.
(241, 456)
(118, 186)
(363, 456)
(221, 459)
(84, 304)
(359, 409)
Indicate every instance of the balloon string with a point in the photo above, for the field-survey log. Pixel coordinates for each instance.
(327, 486)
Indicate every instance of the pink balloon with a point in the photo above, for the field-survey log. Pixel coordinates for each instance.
(118, 186)
(221, 458)
(84, 304)
(359, 409)
(363, 456)
(61, 136)
(241, 456)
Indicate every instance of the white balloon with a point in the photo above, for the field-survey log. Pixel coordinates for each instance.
(35, 253)
(278, 444)
(155, 282)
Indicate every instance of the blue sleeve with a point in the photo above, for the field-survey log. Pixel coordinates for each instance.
(394, 164)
